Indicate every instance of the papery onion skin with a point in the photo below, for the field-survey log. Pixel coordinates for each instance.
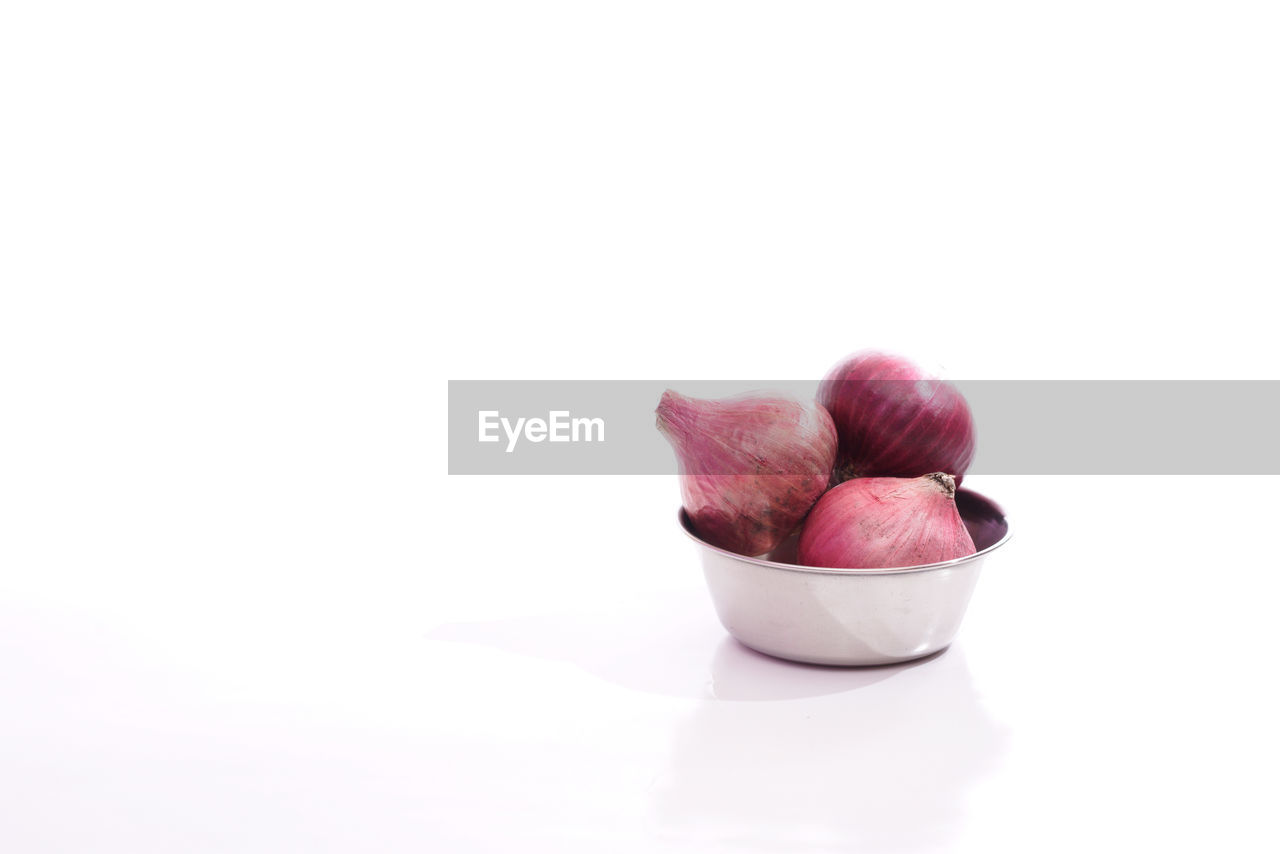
(886, 522)
(750, 466)
(895, 420)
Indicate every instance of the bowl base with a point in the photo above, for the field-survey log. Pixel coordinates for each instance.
(843, 661)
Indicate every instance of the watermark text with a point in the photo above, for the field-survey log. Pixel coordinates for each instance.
(558, 426)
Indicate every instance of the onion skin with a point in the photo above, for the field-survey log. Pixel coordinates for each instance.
(886, 522)
(895, 420)
(750, 466)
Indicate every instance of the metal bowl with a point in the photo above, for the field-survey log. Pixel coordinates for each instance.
(849, 616)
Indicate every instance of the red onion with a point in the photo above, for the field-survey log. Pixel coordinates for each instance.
(750, 466)
(894, 420)
(881, 522)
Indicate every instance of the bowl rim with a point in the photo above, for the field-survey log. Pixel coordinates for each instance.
(686, 525)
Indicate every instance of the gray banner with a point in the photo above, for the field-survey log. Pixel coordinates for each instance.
(1023, 427)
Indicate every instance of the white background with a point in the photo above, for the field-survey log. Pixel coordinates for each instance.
(244, 245)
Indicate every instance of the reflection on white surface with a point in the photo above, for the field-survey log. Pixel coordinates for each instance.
(883, 764)
(658, 645)
(778, 755)
(654, 644)
(740, 673)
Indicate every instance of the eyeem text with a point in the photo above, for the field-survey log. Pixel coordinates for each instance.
(557, 427)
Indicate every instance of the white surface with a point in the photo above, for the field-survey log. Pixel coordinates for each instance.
(1112, 682)
(242, 609)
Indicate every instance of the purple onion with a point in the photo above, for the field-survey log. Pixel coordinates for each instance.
(750, 466)
(882, 522)
(895, 420)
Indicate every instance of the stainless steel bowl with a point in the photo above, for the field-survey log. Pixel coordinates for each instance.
(849, 616)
